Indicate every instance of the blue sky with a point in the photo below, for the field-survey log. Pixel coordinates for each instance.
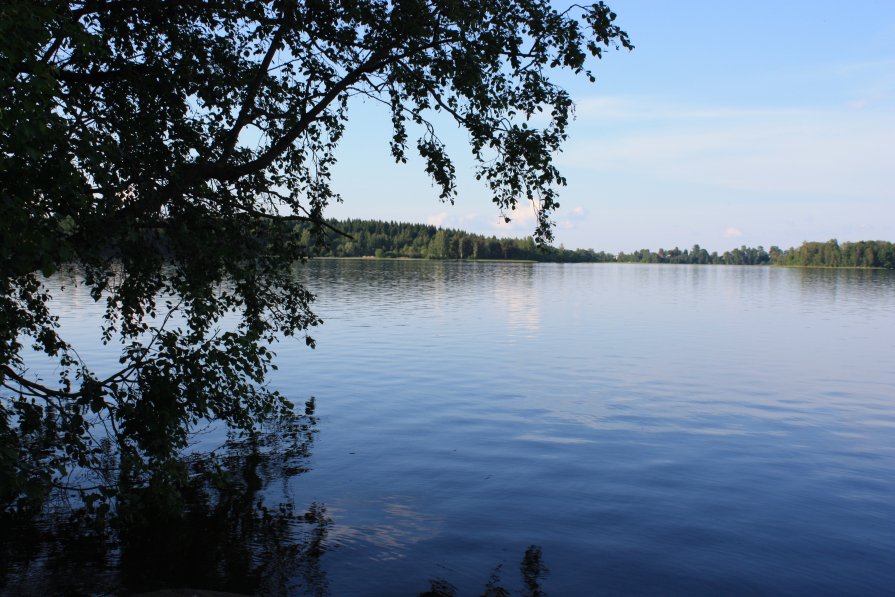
(760, 123)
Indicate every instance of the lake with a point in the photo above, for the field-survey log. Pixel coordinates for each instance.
(596, 428)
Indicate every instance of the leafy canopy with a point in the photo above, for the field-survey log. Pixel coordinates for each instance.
(156, 145)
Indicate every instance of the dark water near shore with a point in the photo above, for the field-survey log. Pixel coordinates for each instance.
(651, 429)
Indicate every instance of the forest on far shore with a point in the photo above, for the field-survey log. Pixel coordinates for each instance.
(374, 238)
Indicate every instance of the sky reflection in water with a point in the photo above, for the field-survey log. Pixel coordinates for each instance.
(644, 429)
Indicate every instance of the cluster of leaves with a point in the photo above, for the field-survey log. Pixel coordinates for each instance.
(157, 144)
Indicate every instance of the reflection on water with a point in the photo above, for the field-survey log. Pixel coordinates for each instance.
(652, 429)
(232, 527)
(532, 569)
(398, 528)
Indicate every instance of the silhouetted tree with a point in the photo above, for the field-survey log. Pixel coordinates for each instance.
(157, 145)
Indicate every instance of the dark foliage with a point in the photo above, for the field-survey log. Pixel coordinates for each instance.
(227, 526)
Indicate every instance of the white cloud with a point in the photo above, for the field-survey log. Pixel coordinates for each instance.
(522, 218)
(596, 110)
(438, 219)
(733, 232)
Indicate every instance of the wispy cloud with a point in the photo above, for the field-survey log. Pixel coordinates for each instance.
(597, 110)
(732, 232)
(570, 219)
(833, 152)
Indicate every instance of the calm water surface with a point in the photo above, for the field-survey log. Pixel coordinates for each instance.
(653, 429)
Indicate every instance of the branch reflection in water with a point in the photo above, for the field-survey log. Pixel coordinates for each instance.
(232, 525)
(532, 569)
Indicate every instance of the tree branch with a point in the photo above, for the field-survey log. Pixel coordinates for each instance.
(252, 92)
(224, 173)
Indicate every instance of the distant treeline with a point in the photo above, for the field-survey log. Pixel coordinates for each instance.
(874, 253)
(373, 238)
